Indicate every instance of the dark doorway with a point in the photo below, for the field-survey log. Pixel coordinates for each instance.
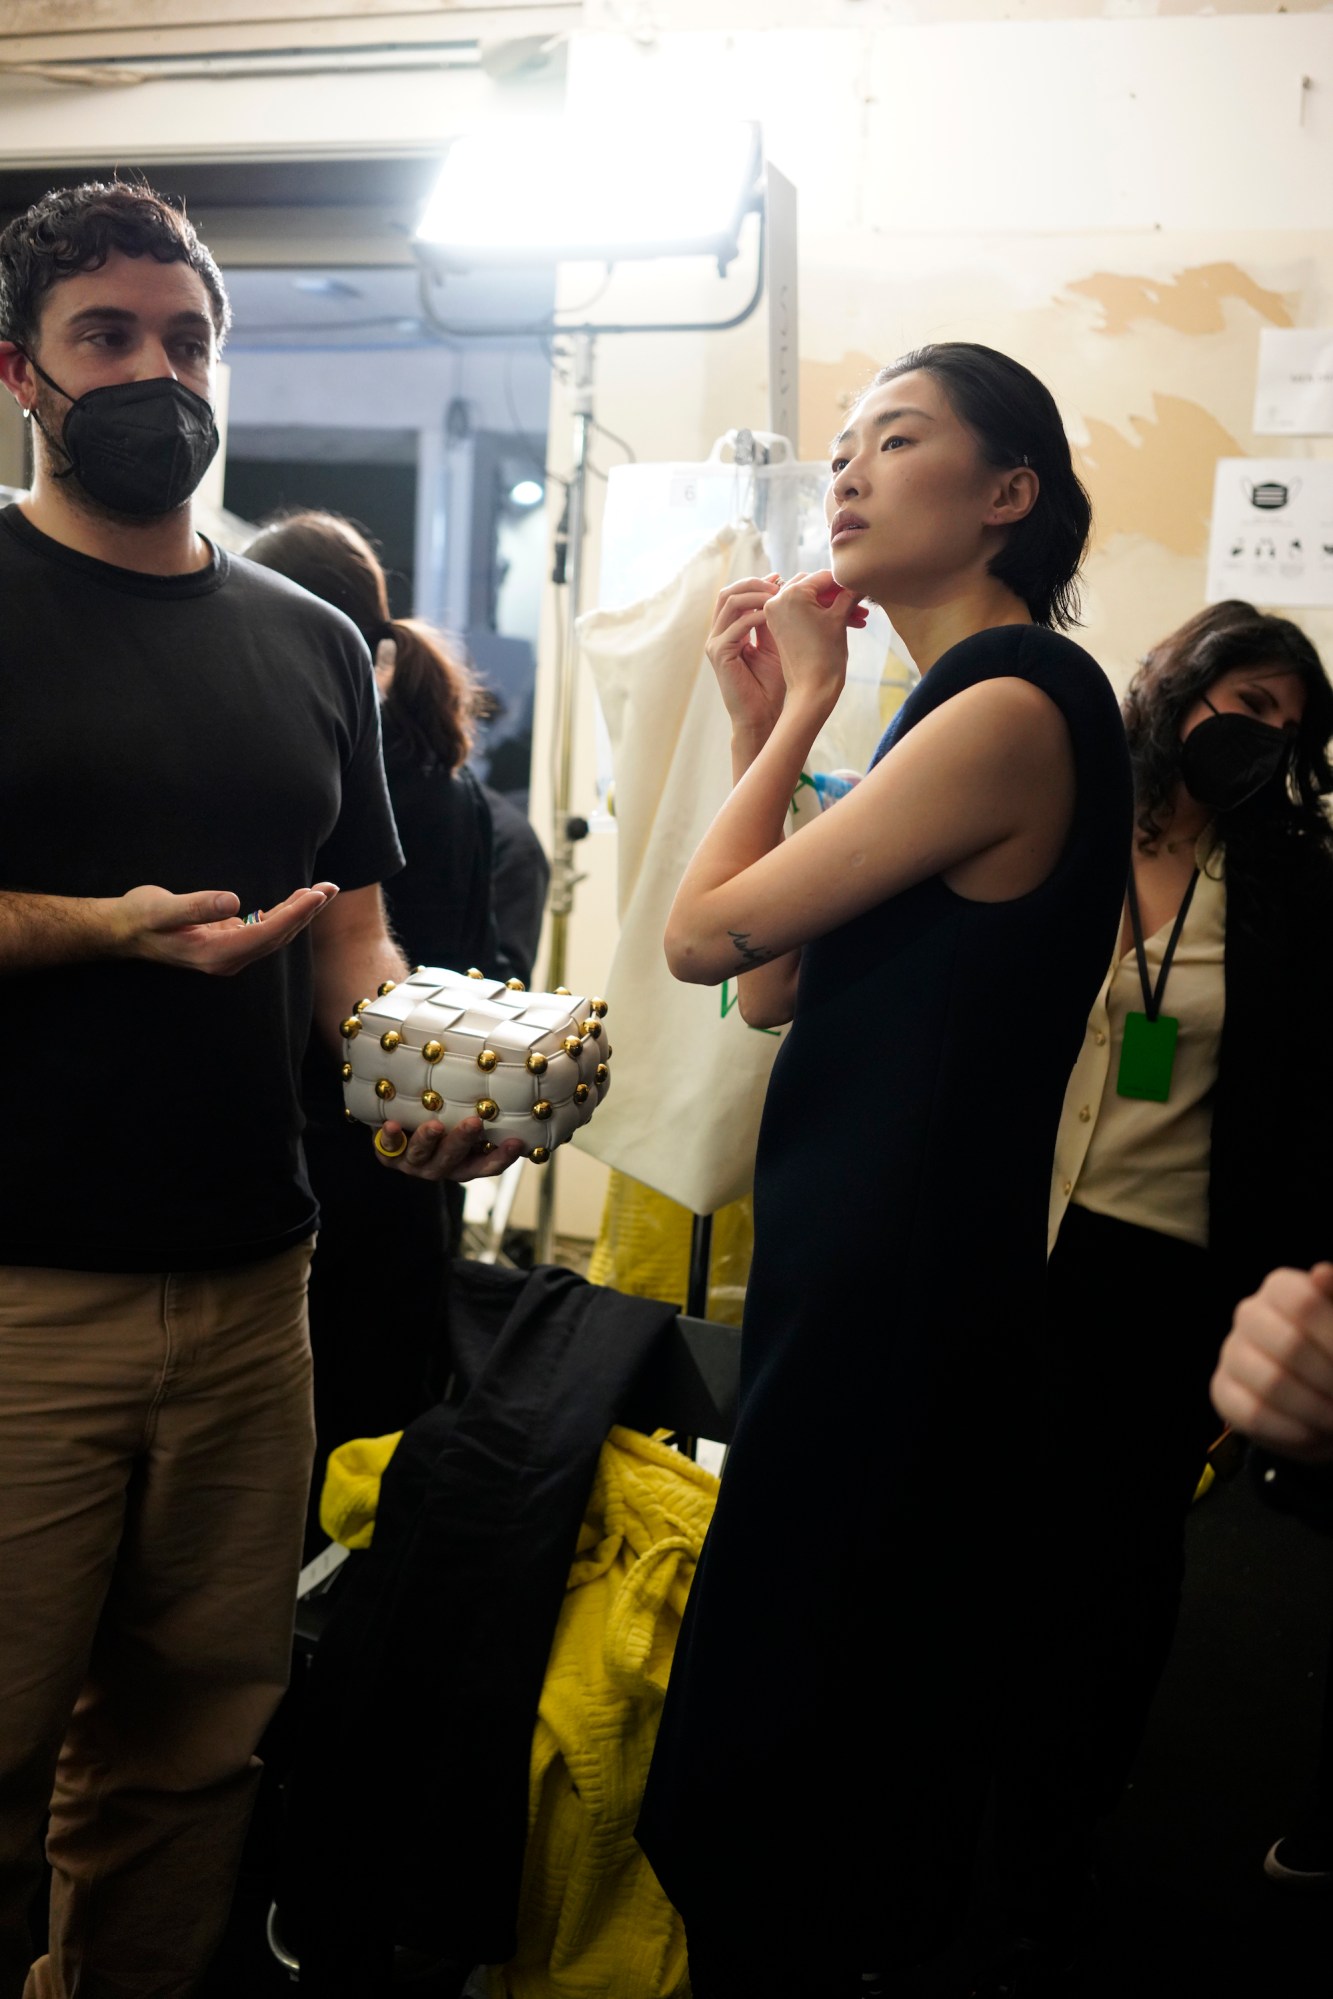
(379, 495)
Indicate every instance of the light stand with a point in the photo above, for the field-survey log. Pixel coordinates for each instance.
(564, 879)
(770, 195)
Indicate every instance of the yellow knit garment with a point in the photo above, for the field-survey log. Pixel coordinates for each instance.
(351, 1490)
(643, 1248)
(593, 1921)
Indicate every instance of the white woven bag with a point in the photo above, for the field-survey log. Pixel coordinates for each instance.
(449, 1045)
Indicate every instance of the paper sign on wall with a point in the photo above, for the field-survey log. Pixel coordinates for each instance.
(1272, 533)
(1294, 393)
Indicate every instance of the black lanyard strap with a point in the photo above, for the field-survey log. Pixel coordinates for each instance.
(1152, 996)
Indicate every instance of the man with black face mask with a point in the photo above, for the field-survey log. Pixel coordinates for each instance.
(189, 764)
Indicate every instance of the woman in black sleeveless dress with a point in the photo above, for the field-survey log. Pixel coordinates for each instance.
(936, 940)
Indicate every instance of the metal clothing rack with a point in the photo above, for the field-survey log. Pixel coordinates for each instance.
(775, 203)
(749, 451)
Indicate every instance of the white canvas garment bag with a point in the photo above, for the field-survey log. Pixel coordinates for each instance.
(690, 1075)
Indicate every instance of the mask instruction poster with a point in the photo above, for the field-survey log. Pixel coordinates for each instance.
(1272, 532)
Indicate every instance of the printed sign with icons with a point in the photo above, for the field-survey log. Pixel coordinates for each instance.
(1272, 531)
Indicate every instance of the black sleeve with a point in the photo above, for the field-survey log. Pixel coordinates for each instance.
(488, 952)
(1305, 1490)
(521, 873)
(363, 847)
(1271, 1192)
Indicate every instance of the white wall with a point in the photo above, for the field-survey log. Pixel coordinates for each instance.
(662, 16)
(1011, 125)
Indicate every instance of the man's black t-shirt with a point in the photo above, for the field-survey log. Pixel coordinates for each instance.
(217, 730)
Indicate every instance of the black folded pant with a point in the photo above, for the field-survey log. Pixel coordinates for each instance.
(1135, 1321)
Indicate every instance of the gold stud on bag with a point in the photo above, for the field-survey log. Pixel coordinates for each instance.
(441, 1028)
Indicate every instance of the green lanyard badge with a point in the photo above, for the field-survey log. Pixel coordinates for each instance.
(1148, 1052)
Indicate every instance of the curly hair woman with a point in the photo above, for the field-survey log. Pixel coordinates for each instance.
(1192, 1158)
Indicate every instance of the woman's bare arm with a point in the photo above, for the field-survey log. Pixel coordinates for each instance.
(766, 996)
(752, 679)
(986, 778)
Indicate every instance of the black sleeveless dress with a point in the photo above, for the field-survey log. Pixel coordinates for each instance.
(825, 1746)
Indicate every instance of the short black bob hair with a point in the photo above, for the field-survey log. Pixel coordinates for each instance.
(76, 229)
(1015, 421)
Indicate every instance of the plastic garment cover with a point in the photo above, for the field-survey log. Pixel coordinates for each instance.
(690, 1074)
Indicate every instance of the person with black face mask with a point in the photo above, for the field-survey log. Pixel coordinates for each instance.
(1192, 1158)
(136, 448)
(170, 717)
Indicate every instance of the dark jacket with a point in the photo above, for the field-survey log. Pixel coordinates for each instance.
(520, 873)
(473, 891)
(439, 904)
(1271, 1169)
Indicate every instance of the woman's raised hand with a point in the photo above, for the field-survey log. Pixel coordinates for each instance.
(809, 618)
(742, 654)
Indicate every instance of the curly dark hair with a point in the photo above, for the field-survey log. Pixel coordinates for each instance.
(1171, 679)
(1016, 422)
(435, 699)
(76, 229)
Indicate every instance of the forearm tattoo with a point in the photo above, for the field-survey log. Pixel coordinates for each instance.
(750, 955)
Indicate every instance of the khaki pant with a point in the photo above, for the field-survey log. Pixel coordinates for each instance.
(155, 1447)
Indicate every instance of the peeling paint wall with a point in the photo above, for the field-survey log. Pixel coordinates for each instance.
(1153, 366)
(1122, 205)
(1151, 348)
(937, 168)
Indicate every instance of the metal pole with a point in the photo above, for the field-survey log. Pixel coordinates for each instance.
(564, 877)
(701, 1253)
(783, 306)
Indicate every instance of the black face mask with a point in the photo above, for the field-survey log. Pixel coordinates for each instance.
(1227, 759)
(136, 447)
